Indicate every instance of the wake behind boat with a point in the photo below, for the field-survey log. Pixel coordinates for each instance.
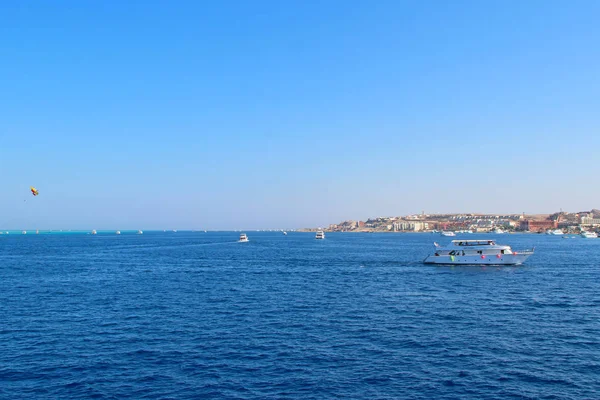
(476, 252)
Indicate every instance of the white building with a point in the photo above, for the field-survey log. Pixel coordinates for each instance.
(590, 221)
(414, 226)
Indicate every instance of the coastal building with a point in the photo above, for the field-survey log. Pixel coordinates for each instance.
(587, 220)
(413, 226)
(538, 226)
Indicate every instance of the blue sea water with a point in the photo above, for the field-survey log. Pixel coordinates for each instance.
(191, 315)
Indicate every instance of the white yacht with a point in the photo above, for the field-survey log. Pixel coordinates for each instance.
(93, 232)
(24, 232)
(118, 232)
(555, 232)
(320, 235)
(588, 235)
(284, 232)
(476, 252)
(243, 238)
(140, 232)
(448, 233)
(498, 230)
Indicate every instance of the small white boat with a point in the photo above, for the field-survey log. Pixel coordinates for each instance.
(498, 230)
(588, 235)
(285, 233)
(93, 232)
(320, 235)
(118, 232)
(140, 232)
(448, 233)
(476, 252)
(556, 232)
(24, 233)
(243, 238)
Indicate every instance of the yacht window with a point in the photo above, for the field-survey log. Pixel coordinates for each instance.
(452, 252)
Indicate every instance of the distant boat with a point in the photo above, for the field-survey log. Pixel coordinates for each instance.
(118, 232)
(448, 233)
(243, 238)
(37, 232)
(285, 233)
(556, 232)
(588, 235)
(24, 232)
(140, 232)
(498, 230)
(320, 235)
(93, 232)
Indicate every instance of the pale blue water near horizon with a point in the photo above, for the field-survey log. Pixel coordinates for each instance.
(197, 315)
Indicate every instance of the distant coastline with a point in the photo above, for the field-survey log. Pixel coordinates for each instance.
(471, 222)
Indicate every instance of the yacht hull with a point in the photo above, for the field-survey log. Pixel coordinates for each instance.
(505, 259)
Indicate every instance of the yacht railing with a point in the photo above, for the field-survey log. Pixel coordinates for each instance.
(526, 251)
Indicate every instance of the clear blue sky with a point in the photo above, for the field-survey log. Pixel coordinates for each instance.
(258, 114)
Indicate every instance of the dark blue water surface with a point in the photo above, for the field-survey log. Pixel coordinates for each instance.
(197, 315)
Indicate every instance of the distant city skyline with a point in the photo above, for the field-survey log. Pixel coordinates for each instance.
(264, 115)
